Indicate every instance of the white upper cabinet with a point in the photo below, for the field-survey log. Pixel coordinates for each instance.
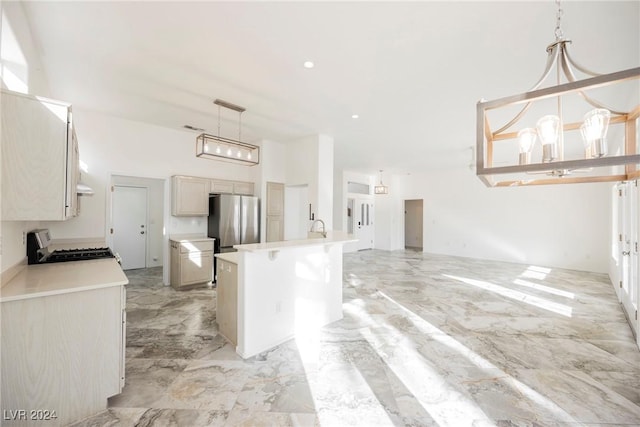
(40, 162)
(190, 196)
(223, 186)
(243, 188)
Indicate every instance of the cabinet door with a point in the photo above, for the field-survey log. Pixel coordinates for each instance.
(275, 198)
(175, 265)
(243, 188)
(220, 186)
(48, 343)
(227, 300)
(190, 196)
(196, 267)
(123, 337)
(275, 212)
(34, 158)
(73, 173)
(275, 228)
(222, 278)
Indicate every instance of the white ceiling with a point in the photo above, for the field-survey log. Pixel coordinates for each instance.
(412, 71)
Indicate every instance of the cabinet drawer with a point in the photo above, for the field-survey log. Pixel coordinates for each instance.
(186, 247)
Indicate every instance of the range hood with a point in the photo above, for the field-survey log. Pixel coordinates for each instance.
(84, 190)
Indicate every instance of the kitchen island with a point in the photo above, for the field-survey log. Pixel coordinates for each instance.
(279, 290)
(62, 343)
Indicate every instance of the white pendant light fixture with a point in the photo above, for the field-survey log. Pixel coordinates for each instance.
(219, 148)
(571, 125)
(381, 189)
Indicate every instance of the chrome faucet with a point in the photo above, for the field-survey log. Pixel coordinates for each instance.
(324, 230)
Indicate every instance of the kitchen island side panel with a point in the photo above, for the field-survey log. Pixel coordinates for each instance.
(288, 293)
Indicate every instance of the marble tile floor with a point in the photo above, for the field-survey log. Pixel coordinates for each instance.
(426, 340)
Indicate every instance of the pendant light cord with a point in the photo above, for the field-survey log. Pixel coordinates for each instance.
(218, 121)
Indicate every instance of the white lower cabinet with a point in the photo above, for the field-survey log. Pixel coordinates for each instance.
(227, 300)
(191, 262)
(62, 355)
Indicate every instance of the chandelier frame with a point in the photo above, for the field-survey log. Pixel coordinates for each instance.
(485, 137)
(216, 147)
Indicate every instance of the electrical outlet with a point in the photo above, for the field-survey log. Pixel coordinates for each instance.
(24, 237)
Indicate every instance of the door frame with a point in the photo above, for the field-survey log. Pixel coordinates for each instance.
(421, 222)
(626, 237)
(163, 220)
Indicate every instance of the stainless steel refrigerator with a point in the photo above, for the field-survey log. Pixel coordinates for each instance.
(233, 220)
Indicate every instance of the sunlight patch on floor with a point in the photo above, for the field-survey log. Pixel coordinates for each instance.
(542, 303)
(535, 272)
(425, 327)
(438, 398)
(544, 288)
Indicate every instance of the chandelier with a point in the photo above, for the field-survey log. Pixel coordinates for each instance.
(219, 148)
(581, 138)
(381, 189)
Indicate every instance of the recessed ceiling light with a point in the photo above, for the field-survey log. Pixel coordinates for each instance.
(355, 116)
(308, 64)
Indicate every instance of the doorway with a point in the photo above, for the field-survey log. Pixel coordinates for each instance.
(129, 231)
(413, 224)
(119, 216)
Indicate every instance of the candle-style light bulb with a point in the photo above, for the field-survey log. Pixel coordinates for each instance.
(526, 141)
(548, 131)
(594, 132)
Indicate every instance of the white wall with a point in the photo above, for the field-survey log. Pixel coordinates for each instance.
(110, 145)
(296, 212)
(310, 162)
(564, 226)
(324, 201)
(272, 169)
(22, 69)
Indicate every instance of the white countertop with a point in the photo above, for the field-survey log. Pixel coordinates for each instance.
(228, 256)
(189, 238)
(41, 280)
(333, 237)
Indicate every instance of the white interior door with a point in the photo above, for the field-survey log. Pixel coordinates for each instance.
(130, 225)
(628, 250)
(364, 223)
